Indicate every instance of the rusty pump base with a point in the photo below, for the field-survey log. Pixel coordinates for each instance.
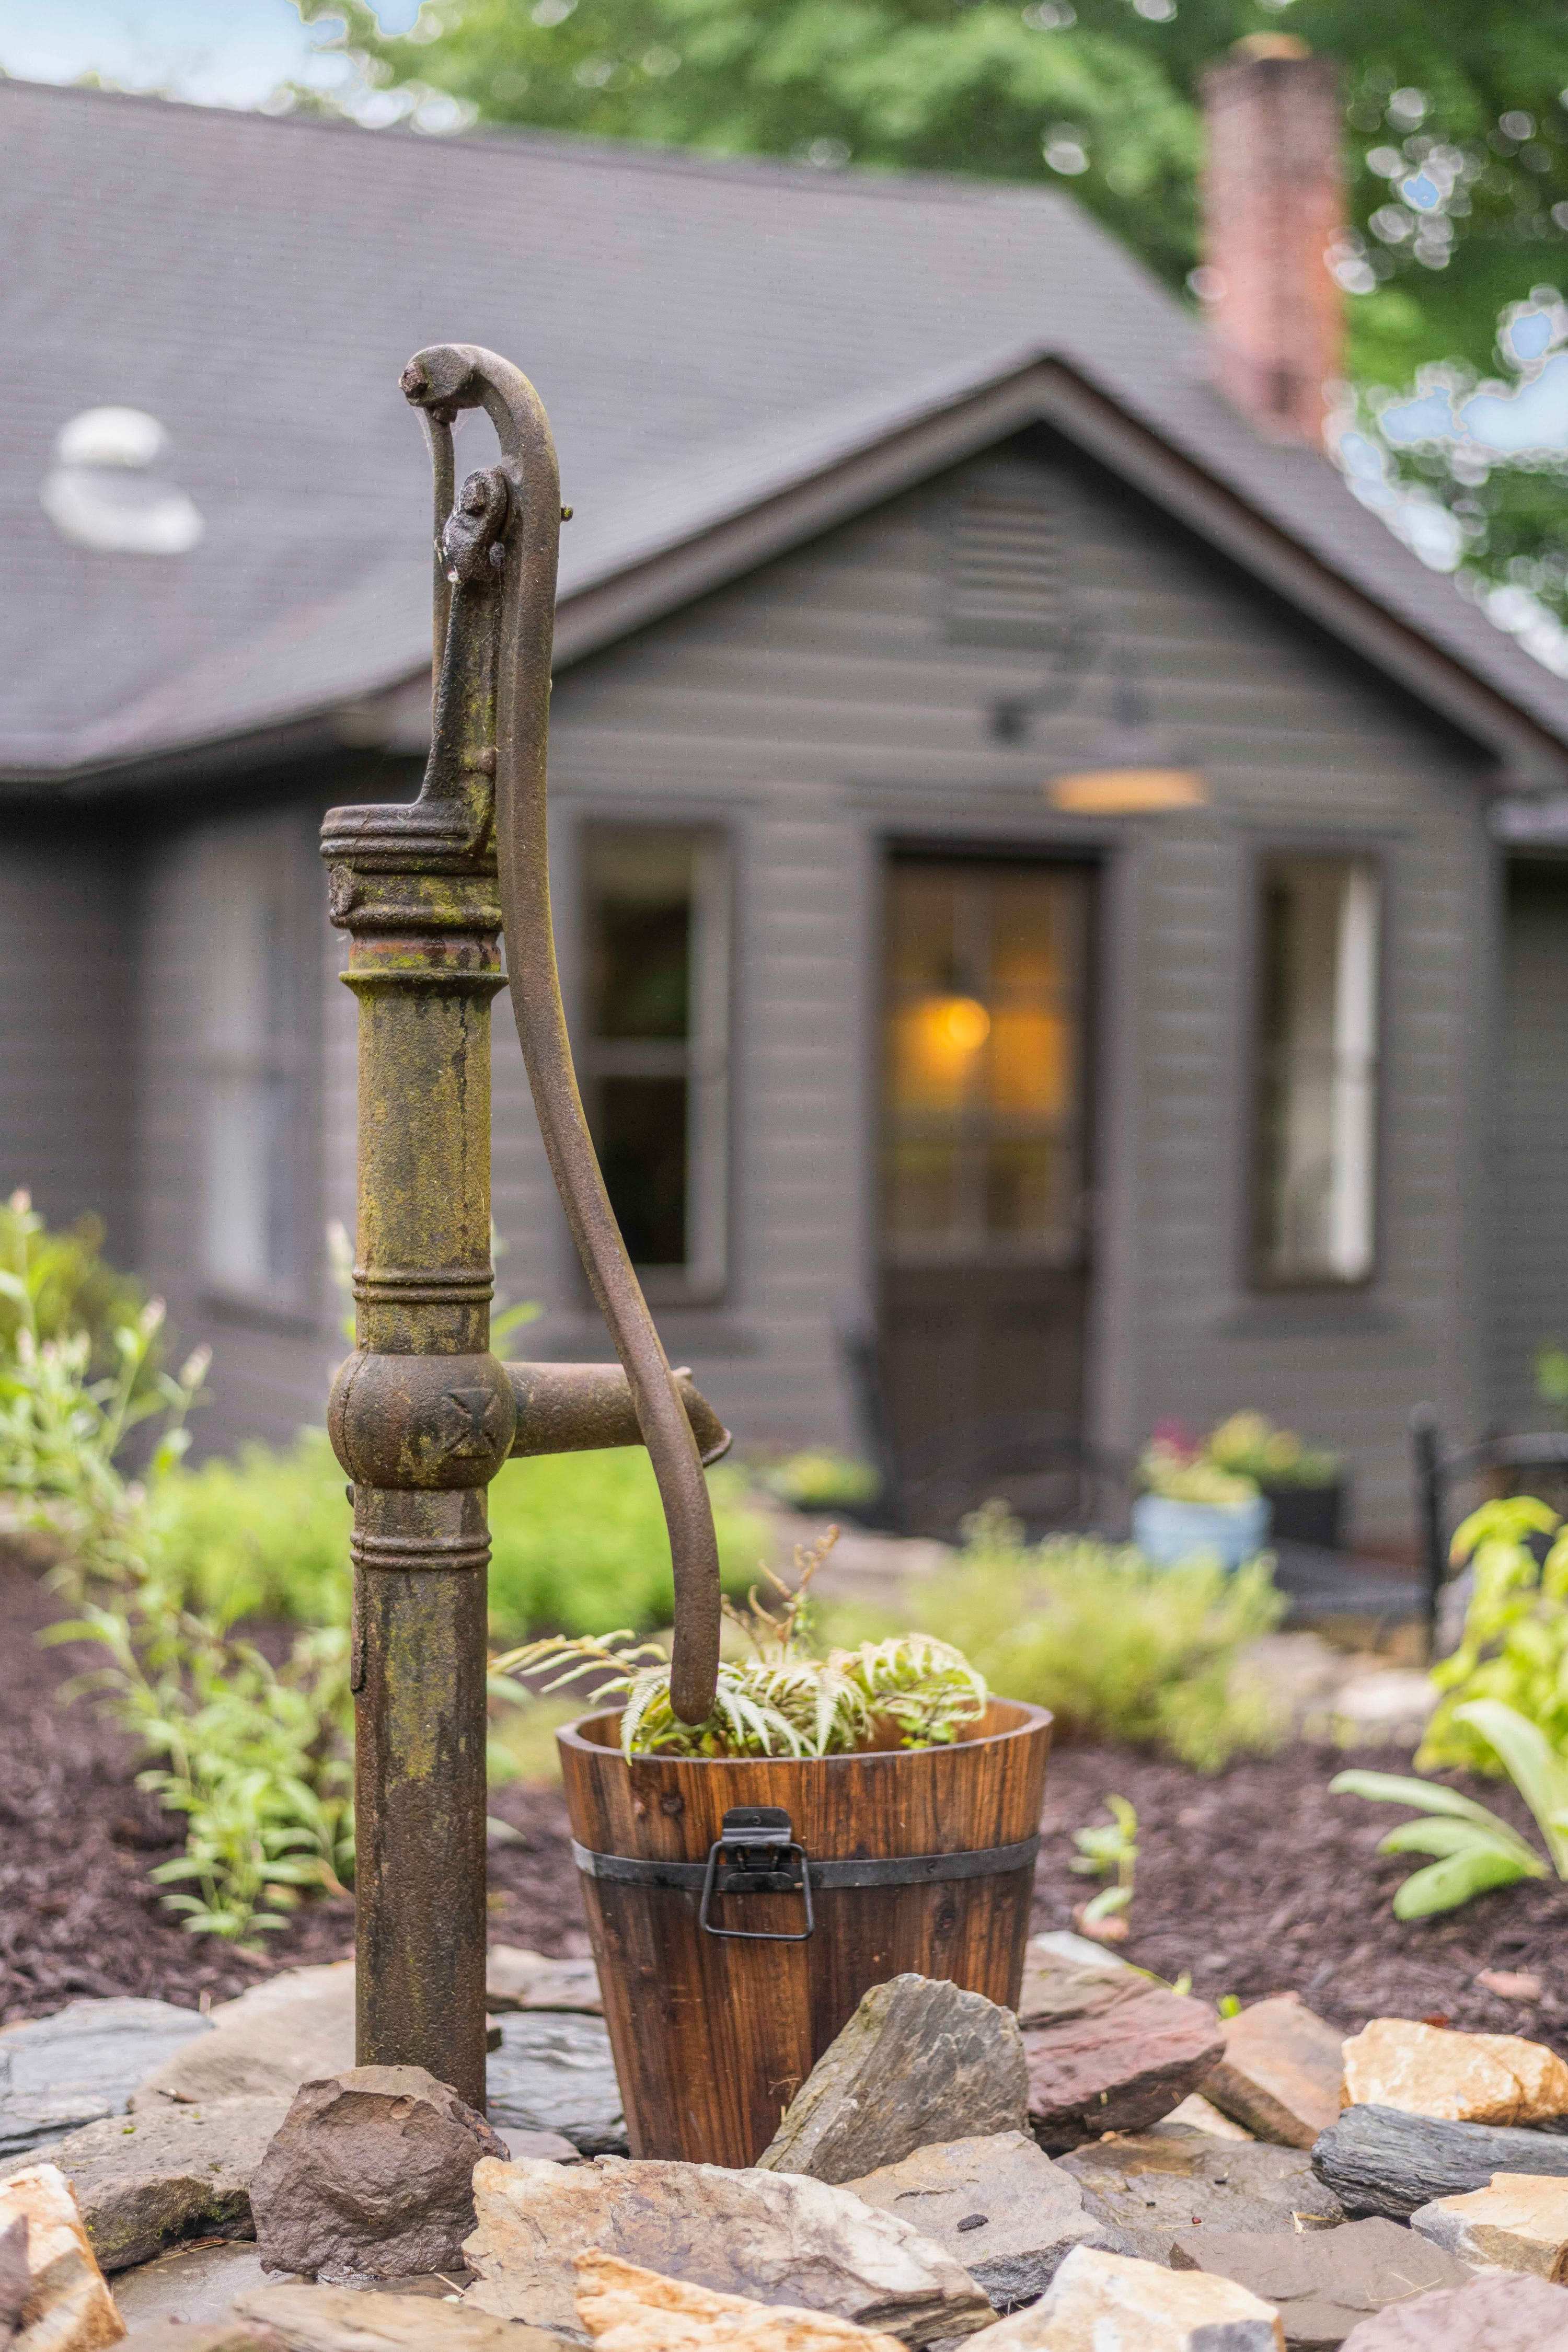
(422, 1416)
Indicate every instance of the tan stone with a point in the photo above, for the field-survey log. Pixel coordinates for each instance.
(1109, 2303)
(625, 2309)
(1518, 2223)
(1281, 2074)
(516, 1978)
(304, 2318)
(68, 2306)
(295, 2028)
(1195, 2112)
(1463, 2078)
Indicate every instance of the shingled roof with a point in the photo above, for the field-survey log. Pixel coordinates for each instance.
(707, 335)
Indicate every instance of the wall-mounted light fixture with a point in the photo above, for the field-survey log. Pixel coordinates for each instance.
(1132, 770)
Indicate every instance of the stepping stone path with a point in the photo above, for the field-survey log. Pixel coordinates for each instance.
(1323, 2283)
(554, 2072)
(1379, 2160)
(371, 2176)
(84, 2062)
(1519, 2222)
(1106, 2050)
(864, 2105)
(999, 2205)
(144, 2181)
(771, 2237)
(1281, 2074)
(1150, 2189)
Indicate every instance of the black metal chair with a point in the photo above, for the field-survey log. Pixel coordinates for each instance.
(1438, 1472)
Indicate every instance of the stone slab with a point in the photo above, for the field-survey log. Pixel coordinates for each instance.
(516, 1978)
(1150, 2186)
(1107, 2302)
(626, 2309)
(1475, 2078)
(306, 2318)
(195, 2286)
(998, 2204)
(1324, 2281)
(771, 2237)
(1490, 2315)
(920, 2061)
(1380, 2160)
(554, 2072)
(1117, 2067)
(1518, 2223)
(143, 2183)
(1282, 2072)
(296, 2027)
(85, 2060)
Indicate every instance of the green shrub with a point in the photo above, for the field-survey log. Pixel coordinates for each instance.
(1514, 1646)
(578, 1539)
(68, 1290)
(1116, 1648)
(818, 1478)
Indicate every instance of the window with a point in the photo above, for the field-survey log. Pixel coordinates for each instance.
(656, 1058)
(1316, 1107)
(256, 1001)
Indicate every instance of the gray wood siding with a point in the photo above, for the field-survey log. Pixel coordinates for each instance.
(67, 927)
(1530, 1154)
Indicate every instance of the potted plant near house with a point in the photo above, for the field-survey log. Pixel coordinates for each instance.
(1190, 1505)
(1306, 1486)
(840, 1818)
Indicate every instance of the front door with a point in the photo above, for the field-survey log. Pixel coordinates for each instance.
(983, 1235)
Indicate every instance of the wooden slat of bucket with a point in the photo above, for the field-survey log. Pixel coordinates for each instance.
(711, 2037)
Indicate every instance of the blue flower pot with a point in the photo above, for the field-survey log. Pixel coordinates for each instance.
(1169, 1531)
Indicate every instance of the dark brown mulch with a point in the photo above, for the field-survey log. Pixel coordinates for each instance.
(1257, 1882)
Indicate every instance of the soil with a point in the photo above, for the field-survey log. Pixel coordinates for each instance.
(1256, 1882)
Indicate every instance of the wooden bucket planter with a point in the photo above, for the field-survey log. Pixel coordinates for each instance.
(718, 1998)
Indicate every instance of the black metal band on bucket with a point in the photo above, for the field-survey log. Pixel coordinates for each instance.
(894, 1870)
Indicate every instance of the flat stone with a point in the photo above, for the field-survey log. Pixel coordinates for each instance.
(68, 2306)
(60, 2072)
(555, 2072)
(1282, 2072)
(1490, 2315)
(197, 2286)
(144, 2181)
(1117, 2067)
(295, 2028)
(1476, 2078)
(1378, 2160)
(1518, 2223)
(1322, 2283)
(554, 2146)
(998, 2204)
(1195, 2112)
(920, 2061)
(518, 1978)
(305, 2318)
(224, 2336)
(625, 2309)
(370, 2177)
(771, 2237)
(1149, 2188)
(1068, 1976)
(1107, 2302)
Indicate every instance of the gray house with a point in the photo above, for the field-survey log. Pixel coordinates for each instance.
(1027, 844)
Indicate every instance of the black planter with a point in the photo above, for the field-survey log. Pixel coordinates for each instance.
(1309, 1514)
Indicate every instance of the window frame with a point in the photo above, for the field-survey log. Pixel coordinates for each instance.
(283, 844)
(706, 1277)
(1254, 1281)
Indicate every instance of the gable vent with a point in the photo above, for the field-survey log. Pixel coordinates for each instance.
(1006, 577)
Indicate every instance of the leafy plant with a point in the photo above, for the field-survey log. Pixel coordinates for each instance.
(68, 1288)
(818, 1478)
(1474, 1850)
(1184, 1474)
(1116, 1648)
(1514, 1643)
(781, 1699)
(1109, 1851)
(1250, 1444)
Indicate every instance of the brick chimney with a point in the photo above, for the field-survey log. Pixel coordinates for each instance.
(1274, 201)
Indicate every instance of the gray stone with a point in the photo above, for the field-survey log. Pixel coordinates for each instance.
(1497, 2314)
(342, 2319)
(371, 2176)
(1381, 2160)
(516, 1978)
(554, 2072)
(1323, 2283)
(775, 2238)
(195, 2286)
(59, 2072)
(144, 2181)
(999, 2206)
(553, 2146)
(296, 2027)
(920, 2061)
(1150, 2186)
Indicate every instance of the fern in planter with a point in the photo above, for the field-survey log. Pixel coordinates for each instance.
(779, 1699)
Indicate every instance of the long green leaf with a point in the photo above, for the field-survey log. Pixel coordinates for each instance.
(1431, 1796)
(1539, 1775)
(1444, 1885)
(1447, 1837)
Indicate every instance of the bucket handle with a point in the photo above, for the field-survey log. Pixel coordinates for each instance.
(754, 1853)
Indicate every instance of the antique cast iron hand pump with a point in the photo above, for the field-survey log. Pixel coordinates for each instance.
(421, 1415)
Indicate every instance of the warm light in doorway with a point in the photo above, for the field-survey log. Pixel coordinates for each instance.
(960, 1023)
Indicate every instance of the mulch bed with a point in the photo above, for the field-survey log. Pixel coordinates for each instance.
(1256, 1882)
